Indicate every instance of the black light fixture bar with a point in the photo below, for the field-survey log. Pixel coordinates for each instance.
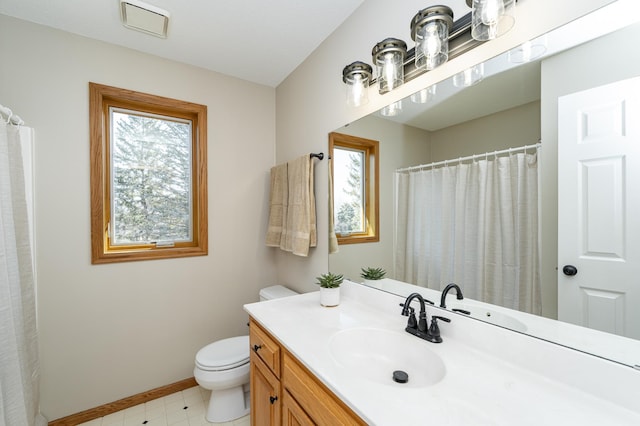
(460, 41)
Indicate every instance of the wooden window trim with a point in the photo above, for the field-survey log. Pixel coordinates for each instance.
(372, 200)
(101, 97)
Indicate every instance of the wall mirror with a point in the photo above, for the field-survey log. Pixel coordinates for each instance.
(514, 104)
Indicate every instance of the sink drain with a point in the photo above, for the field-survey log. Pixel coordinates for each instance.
(400, 376)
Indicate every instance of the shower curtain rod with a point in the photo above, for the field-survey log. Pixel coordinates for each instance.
(9, 117)
(470, 157)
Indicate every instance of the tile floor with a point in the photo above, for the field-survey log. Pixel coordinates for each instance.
(186, 408)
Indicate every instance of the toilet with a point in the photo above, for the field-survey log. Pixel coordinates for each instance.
(223, 368)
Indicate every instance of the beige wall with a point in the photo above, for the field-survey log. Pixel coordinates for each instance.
(506, 129)
(111, 331)
(310, 103)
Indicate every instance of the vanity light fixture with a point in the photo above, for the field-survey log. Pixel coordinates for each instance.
(357, 77)
(388, 57)
(491, 18)
(425, 95)
(469, 77)
(430, 30)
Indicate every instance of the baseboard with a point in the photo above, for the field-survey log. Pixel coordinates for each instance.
(121, 404)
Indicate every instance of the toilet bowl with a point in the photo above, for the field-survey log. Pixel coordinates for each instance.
(223, 367)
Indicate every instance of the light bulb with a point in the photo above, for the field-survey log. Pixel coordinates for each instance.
(356, 91)
(389, 70)
(491, 12)
(425, 95)
(357, 87)
(432, 45)
(392, 110)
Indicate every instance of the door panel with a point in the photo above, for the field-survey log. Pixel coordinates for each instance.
(599, 207)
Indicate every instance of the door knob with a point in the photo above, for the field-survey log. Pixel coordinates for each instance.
(569, 270)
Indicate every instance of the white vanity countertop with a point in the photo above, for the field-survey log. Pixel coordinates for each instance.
(479, 387)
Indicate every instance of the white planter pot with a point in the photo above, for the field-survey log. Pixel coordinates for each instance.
(373, 283)
(330, 296)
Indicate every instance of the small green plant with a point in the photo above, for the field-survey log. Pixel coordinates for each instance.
(329, 280)
(370, 273)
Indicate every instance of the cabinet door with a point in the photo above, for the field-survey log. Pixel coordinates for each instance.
(292, 413)
(265, 395)
(319, 404)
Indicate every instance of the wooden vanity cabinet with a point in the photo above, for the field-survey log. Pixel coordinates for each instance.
(284, 392)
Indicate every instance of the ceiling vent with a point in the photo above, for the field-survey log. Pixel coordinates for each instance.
(141, 16)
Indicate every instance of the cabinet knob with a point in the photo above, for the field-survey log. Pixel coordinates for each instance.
(273, 399)
(256, 347)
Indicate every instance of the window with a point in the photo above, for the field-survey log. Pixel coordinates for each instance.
(148, 176)
(355, 188)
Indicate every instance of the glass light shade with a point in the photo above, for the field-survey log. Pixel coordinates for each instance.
(430, 30)
(528, 51)
(425, 95)
(388, 57)
(469, 77)
(392, 110)
(357, 76)
(491, 18)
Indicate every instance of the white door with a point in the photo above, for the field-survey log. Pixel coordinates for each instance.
(599, 208)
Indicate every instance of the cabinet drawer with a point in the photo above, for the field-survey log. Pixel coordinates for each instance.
(322, 406)
(265, 347)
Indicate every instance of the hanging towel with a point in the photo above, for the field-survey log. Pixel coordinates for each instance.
(278, 201)
(292, 207)
(299, 232)
(333, 239)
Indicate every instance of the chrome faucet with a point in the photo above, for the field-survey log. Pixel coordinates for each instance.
(419, 328)
(446, 290)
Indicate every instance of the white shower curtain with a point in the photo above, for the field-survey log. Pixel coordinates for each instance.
(19, 371)
(475, 225)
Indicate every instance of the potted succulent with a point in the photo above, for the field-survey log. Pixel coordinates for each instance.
(372, 274)
(329, 288)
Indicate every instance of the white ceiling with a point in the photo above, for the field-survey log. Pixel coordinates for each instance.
(261, 41)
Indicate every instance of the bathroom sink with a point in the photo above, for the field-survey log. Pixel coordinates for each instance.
(375, 354)
(491, 316)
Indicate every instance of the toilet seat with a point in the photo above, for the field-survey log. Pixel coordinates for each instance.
(224, 354)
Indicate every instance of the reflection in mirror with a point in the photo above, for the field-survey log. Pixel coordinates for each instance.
(515, 104)
(354, 183)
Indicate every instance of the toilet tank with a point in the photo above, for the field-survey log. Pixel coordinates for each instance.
(275, 292)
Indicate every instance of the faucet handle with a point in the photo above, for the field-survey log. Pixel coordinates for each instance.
(408, 311)
(434, 330)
